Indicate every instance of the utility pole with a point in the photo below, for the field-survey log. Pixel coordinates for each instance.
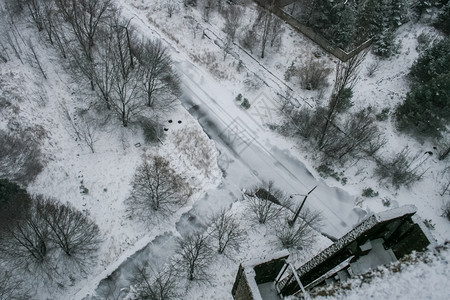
(297, 213)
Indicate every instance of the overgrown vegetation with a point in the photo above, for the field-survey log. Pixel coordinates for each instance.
(20, 157)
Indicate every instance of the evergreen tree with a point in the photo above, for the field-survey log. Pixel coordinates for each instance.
(426, 109)
(443, 21)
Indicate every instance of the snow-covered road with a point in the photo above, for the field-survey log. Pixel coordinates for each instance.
(240, 137)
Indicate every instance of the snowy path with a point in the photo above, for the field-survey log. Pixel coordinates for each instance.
(249, 153)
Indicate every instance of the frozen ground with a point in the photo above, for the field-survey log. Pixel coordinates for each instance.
(244, 149)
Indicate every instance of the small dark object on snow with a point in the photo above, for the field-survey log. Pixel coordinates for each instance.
(166, 129)
(179, 122)
(170, 121)
(429, 152)
(137, 145)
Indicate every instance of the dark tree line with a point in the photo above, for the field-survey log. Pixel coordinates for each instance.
(350, 22)
(38, 233)
(426, 109)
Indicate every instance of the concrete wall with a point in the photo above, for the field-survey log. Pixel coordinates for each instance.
(310, 33)
(241, 288)
(252, 273)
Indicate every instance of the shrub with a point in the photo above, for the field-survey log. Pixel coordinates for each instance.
(326, 171)
(266, 202)
(300, 235)
(153, 131)
(383, 115)
(313, 75)
(245, 104)
(372, 68)
(446, 210)
(369, 192)
(399, 170)
(239, 97)
(291, 71)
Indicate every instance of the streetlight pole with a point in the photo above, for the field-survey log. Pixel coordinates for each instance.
(297, 213)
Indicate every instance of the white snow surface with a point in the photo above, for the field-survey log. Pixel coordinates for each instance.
(255, 153)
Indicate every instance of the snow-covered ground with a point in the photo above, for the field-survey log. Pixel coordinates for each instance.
(242, 151)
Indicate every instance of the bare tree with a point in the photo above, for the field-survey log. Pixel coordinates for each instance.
(171, 7)
(73, 232)
(12, 286)
(37, 13)
(26, 242)
(156, 188)
(34, 59)
(160, 83)
(127, 99)
(266, 202)
(302, 234)
(269, 27)
(233, 19)
(226, 232)
(346, 77)
(359, 135)
(80, 128)
(85, 18)
(207, 7)
(264, 21)
(196, 255)
(150, 283)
